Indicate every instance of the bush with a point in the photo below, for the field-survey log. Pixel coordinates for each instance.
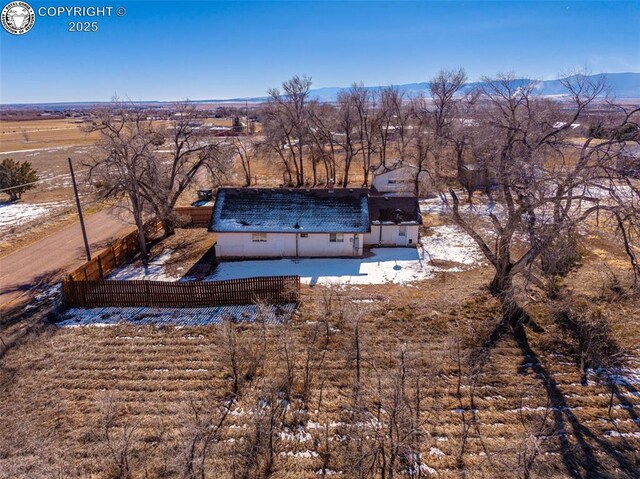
(16, 178)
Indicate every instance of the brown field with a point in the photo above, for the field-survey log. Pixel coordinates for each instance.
(75, 401)
(47, 144)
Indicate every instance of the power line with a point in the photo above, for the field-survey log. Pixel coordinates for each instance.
(43, 180)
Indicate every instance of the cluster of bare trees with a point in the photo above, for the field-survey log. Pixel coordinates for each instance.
(314, 142)
(152, 163)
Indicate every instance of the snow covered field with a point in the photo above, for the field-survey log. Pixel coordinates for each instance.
(101, 317)
(384, 265)
(17, 214)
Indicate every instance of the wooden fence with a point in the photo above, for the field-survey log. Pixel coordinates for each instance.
(127, 247)
(195, 216)
(110, 258)
(92, 294)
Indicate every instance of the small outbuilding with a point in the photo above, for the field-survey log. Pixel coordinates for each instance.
(400, 177)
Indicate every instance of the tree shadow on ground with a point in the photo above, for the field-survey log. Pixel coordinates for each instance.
(580, 460)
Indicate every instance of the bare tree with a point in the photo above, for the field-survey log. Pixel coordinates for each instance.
(191, 150)
(288, 112)
(201, 430)
(244, 153)
(127, 140)
(366, 126)
(117, 435)
(322, 119)
(543, 196)
(347, 134)
(445, 89)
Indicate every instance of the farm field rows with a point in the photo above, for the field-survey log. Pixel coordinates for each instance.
(62, 384)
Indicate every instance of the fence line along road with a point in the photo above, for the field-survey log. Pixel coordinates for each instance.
(104, 293)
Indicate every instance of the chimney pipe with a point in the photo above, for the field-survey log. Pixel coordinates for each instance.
(330, 184)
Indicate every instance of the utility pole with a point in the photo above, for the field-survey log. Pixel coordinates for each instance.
(246, 117)
(84, 231)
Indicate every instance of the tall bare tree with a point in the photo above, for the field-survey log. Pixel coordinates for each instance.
(289, 110)
(191, 150)
(127, 139)
(446, 88)
(347, 132)
(547, 185)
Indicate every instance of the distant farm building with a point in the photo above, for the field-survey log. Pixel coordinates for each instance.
(400, 178)
(280, 222)
(475, 177)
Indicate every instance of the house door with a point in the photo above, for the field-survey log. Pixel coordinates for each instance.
(402, 236)
(356, 244)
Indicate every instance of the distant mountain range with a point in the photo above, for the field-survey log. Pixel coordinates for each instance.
(620, 85)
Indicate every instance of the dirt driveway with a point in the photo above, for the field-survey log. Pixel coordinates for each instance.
(42, 262)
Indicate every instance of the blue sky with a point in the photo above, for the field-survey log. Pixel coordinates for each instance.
(176, 50)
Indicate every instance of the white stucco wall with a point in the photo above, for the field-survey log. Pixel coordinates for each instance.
(391, 235)
(239, 245)
(400, 180)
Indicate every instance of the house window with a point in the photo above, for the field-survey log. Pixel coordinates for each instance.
(336, 237)
(259, 237)
(402, 231)
(304, 235)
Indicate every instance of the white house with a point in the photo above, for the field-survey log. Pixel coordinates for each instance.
(399, 178)
(281, 222)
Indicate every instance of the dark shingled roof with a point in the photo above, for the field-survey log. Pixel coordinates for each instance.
(395, 209)
(281, 210)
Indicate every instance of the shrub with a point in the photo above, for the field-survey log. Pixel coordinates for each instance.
(16, 178)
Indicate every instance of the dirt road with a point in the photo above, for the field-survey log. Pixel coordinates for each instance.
(40, 263)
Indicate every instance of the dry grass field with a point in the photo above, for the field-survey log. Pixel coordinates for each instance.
(47, 144)
(100, 402)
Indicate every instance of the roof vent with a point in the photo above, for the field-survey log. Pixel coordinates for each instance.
(350, 190)
(297, 225)
(386, 198)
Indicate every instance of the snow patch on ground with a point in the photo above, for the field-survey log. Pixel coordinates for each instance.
(302, 454)
(51, 293)
(451, 243)
(383, 265)
(434, 451)
(622, 434)
(18, 214)
(102, 317)
(629, 377)
(155, 271)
